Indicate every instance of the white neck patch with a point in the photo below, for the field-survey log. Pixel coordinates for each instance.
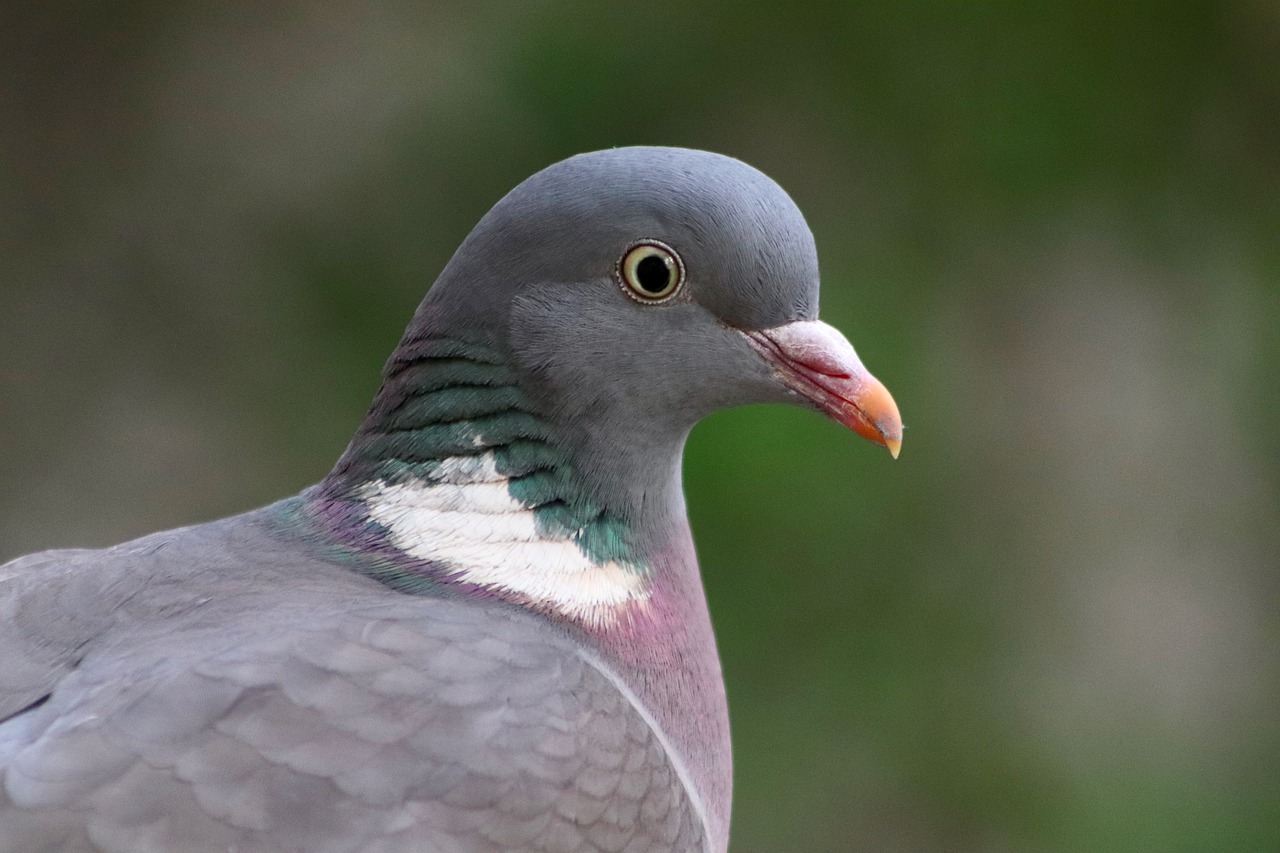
(465, 518)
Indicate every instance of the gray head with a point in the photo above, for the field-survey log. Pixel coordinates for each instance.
(603, 307)
(544, 277)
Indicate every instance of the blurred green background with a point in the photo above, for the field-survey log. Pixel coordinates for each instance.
(1053, 232)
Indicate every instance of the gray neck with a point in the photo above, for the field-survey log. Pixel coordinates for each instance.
(616, 493)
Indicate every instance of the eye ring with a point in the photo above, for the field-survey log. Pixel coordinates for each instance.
(650, 272)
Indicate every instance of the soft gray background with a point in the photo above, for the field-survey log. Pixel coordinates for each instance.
(1053, 625)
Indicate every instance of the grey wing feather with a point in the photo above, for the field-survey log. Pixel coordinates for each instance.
(32, 661)
(392, 724)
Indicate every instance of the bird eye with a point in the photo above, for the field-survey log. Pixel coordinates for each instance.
(651, 272)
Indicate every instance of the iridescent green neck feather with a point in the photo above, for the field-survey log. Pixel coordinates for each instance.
(451, 427)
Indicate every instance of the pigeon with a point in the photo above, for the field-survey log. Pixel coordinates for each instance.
(485, 629)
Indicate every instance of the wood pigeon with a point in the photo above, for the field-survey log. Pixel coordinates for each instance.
(484, 630)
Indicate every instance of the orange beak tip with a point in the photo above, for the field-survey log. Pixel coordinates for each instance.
(817, 362)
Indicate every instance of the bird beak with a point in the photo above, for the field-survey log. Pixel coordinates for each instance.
(816, 361)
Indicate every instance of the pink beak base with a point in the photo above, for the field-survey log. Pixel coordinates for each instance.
(815, 360)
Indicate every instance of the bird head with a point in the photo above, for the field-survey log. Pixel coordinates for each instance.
(639, 289)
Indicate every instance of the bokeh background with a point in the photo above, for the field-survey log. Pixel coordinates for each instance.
(1054, 232)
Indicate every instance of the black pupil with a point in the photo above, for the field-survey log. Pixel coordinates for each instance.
(653, 274)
